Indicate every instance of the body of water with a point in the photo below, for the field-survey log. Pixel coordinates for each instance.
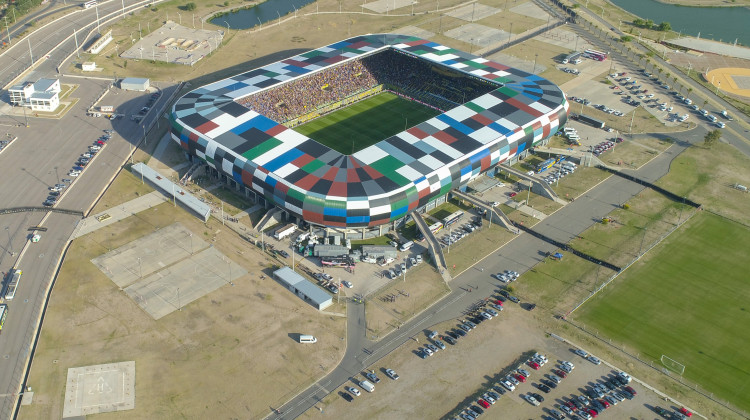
(267, 11)
(717, 23)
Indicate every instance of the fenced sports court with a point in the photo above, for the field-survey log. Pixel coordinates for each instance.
(166, 270)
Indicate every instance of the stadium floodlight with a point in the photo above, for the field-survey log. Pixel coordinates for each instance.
(672, 365)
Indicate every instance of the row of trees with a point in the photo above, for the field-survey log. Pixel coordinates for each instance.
(649, 24)
(16, 9)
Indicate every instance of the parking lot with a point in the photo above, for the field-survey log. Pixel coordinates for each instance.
(454, 378)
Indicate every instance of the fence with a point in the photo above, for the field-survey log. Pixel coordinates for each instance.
(655, 366)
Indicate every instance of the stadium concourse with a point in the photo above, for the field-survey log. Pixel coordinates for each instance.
(241, 127)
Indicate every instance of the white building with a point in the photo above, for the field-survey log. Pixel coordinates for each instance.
(88, 66)
(40, 96)
(134, 83)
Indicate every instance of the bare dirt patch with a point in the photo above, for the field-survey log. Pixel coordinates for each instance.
(184, 359)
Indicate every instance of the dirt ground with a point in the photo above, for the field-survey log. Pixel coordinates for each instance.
(448, 380)
(423, 286)
(190, 357)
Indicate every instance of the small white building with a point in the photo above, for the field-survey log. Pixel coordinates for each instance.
(43, 95)
(134, 83)
(88, 66)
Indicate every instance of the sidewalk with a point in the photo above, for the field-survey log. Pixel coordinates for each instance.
(115, 214)
(523, 208)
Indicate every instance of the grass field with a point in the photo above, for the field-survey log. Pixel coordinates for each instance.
(365, 123)
(688, 301)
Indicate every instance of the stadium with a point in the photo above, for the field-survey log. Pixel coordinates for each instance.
(357, 134)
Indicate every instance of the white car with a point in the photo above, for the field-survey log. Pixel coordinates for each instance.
(508, 385)
(625, 376)
(532, 400)
(594, 360)
(568, 364)
(391, 374)
(720, 124)
(73, 174)
(580, 353)
(354, 391)
(348, 284)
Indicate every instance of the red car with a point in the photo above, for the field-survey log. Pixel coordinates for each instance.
(683, 410)
(520, 377)
(100, 143)
(483, 403)
(571, 405)
(632, 391)
(534, 365)
(560, 373)
(605, 403)
(593, 413)
(513, 194)
(497, 302)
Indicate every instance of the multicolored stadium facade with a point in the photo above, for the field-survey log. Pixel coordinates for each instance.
(381, 183)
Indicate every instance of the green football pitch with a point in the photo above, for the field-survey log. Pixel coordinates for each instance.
(690, 301)
(365, 123)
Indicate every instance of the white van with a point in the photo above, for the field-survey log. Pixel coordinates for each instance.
(309, 339)
(569, 130)
(367, 386)
(407, 246)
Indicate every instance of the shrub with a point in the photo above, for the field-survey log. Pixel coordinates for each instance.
(190, 7)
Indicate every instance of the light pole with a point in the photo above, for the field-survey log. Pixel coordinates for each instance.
(140, 268)
(30, 55)
(535, 58)
(179, 306)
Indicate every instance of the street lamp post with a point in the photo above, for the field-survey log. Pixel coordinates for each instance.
(535, 58)
(140, 268)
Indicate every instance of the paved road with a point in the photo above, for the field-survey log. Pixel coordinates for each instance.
(736, 132)
(521, 254)
(18, 58)
(40, 157)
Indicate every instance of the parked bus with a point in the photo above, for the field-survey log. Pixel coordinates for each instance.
(3, 314)
(453, 218)
(15, 277)
(545, 165)
(89, 4)
(590, 121)
(437, 227)
(572, 58)
(595, 55)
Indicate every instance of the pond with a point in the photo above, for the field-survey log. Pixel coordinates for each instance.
(267, 11)
(718, 23)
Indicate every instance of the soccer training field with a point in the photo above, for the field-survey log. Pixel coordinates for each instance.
(689, 301)
(365, 123)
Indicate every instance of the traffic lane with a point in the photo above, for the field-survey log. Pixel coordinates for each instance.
(38, 264)
(45, 38)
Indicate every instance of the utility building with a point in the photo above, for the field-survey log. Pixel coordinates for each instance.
(304, 289)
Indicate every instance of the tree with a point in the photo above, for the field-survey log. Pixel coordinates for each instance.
(712, 137)
(648, 24)
(626, 38)
(690, 90)
(638, 22)
(190, 7)
(664, 27)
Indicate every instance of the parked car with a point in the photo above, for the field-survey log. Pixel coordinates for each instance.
(354, 391)
(594, 360)
(580, 353)
(372, 377)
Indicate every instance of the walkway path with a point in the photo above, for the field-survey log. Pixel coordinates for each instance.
(115, 214)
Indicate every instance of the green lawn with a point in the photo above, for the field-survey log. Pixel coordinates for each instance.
(365, 123)
(691, 302)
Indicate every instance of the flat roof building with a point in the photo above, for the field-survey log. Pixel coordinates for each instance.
(134, 83)
(42, 95)
(304, 289)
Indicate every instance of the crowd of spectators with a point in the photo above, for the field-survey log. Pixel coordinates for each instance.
(435, 85)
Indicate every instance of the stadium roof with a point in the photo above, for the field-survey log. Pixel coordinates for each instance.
(382, 182)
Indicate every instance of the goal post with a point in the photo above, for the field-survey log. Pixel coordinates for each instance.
(672, 365)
